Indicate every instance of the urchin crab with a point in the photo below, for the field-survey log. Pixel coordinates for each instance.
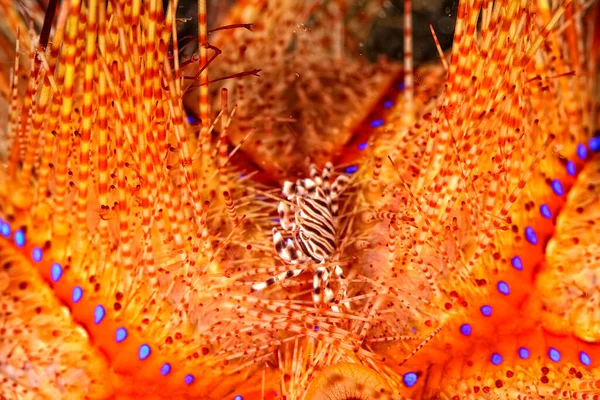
(308, 216)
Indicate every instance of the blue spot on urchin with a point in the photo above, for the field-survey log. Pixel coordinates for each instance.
(503, 288)
(37, 254)
(56, 272)
(165, 369)
(5, 229)
(144, 352)
(530, 235)
(121, 335)
(557, 187)
(496, 359)
(351, 169)
(388, 104)
(554, 354)
(517, 263)
(189, 379)
(363, 146)
(99, 314)
(545, 211)
(20, 238)
(486, 310)
(582, 151)
(77, 294)
(466, 329)
(410, 379)
(376, 123)
(571, 168)
(523, 353)
(585, 359)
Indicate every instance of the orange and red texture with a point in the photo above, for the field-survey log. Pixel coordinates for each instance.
(130, 244)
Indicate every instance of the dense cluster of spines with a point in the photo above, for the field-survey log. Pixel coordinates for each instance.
(312, 90)
(439, 221)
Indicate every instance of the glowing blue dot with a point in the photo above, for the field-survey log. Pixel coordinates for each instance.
(36, 254)
(20, 238)
(144, 352)
(517, 263)
(121, 335)
(503, 288)
(189, 379)
(496, 359)
(554, 354)
(595, 144)
(557, 187)
(388, 104)
(316, 328)
(401, 86)
(238, 397)
(582, 151)
(99, 314)
(585, 359)
(571, 168)
(363, 145)
(6, 229)
(524, 353)
(466, 329)
(410, 379)
(56, 272)
(545, 211)
(531, 236)
(77, 294)
(351, 169)
(486, 310)
(376, 123)
(276, 220)
(165, 369)
(191, 119)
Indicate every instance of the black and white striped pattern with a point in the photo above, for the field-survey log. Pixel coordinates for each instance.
(310, 230)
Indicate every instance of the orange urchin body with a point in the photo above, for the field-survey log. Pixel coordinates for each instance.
(131, 243)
